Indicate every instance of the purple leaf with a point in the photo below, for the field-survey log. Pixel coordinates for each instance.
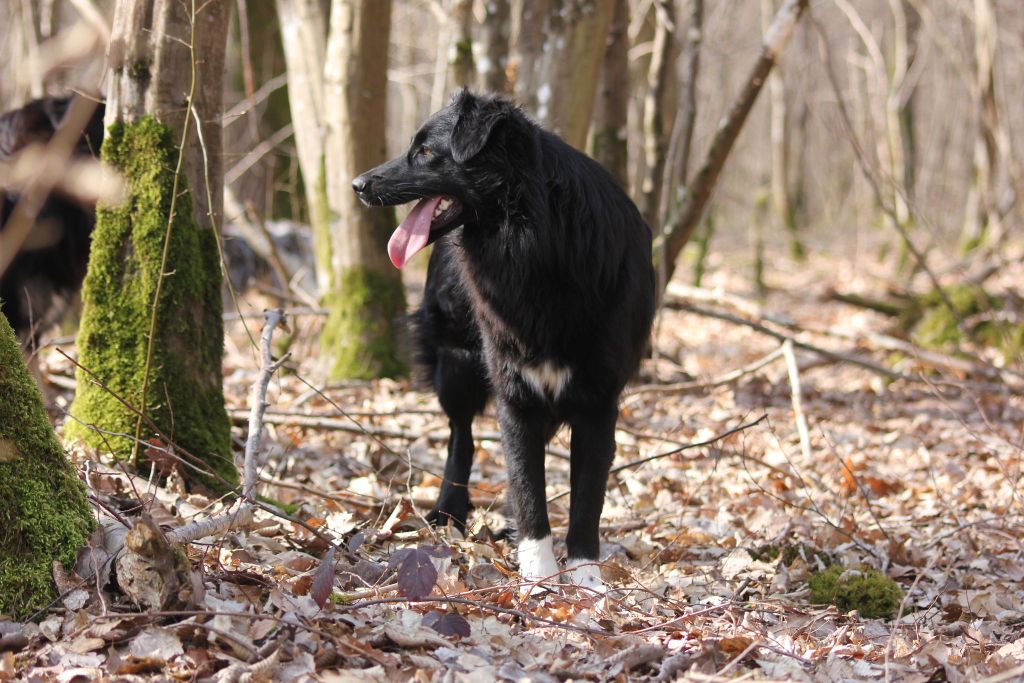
(356, 541)
(416, 574)
(450, 624)
(323, 581)
(438, 551)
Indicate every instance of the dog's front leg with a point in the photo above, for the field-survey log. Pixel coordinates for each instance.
(453, 501)
(524, 433)
(592, 449)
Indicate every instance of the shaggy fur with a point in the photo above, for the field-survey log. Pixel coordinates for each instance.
(47, 272)
(540, 292)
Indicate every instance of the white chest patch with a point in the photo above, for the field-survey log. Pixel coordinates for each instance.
(546, 378)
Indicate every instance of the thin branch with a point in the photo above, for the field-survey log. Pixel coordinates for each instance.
(258, 401)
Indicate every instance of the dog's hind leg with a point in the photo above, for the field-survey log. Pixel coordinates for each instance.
(592, 449)
(524, 433)
(461, 385)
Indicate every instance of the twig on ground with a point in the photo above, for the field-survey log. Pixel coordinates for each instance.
(727, 378)
(795, 397)
(673, 451)
(799, 343)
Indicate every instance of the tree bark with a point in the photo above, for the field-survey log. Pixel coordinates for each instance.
(365, 293)
(152, 334)
(563, 40)
(44, 516)
(304, 37)
(778, 125)
(983, 222)
(494, 43)
(677, 232)
(658, 118)
(609, 143)
(461, 68)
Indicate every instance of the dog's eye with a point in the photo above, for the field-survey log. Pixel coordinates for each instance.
(425, 151)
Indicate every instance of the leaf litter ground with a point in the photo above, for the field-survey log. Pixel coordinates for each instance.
(708, 551)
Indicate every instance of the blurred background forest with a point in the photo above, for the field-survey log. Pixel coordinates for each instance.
(930, 87)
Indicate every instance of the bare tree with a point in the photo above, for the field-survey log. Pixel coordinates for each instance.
(778, 123)
(304, 37)
(983, 220)
(658, 118)
(152, 336)
(494, 46)
(461, 67)
(611, 117)
(558, 61)
(677, 232)
(337, 87)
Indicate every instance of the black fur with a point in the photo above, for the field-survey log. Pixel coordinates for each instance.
(47, 272)
(547, 261)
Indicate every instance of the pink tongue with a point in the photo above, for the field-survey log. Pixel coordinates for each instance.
(413, 233)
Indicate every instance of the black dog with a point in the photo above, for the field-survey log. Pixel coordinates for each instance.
(543, 294)
(47, 272)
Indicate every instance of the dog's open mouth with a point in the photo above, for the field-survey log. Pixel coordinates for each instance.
(430, 218)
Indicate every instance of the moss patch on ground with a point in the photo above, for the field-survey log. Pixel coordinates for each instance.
(360, 331)
(44, 515)
(184, 395)
(933, 325)
(871, 593)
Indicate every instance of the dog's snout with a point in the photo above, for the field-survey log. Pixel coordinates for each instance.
(361, 184)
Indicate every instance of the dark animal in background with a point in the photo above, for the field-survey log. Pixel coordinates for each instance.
(540, 292)
(46, 274)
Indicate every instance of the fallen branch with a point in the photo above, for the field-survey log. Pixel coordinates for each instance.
(728, 378)
(258, 401)
(795, 397)
(799, 343)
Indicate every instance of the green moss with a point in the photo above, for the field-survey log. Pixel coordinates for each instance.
(44, 515)
(184, 396)
(872, 594)
(139, 69)
(359, 333)
(933, 325)
(790, 553)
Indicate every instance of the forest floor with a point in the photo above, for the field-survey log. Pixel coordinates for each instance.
(707, 551)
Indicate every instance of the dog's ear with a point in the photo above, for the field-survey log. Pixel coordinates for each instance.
(475, 120)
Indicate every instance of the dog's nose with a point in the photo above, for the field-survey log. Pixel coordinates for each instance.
(361, 184)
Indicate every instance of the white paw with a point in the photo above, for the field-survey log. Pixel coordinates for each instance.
(537, 559)
(586, 574)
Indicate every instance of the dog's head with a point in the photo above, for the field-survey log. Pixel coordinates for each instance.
(450, 167)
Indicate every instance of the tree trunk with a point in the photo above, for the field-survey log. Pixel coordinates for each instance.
(494, 43)
(304, 37)
(461, 69)
(658, 118)
(983, 221)
(44, 516)
(677, 232)
(152, 333)
(365, 293)
(609, 141)
(564, 46)
(778, 125)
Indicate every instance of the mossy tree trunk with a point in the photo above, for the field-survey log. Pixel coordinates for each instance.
(366, 293)
(337, 86)
(43, 512)
(152, 332)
